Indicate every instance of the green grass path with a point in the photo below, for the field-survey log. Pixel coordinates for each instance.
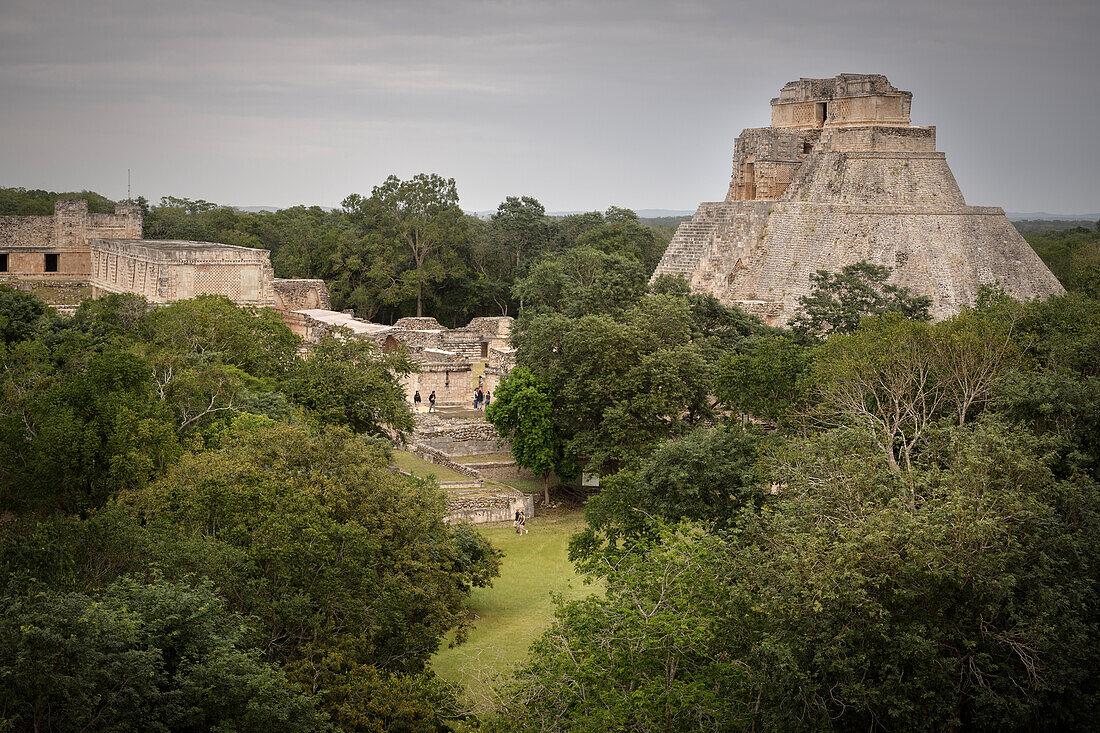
(417, 466)
(518, 607)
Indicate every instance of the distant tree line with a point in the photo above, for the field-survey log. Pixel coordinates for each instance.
(404, 249)
(1072, 254)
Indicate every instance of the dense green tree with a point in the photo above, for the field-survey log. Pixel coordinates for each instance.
(648, 655)
(36, 202)
(1073, 255)
(211, 327)
(418, 218)
(619, 385)
(523, 412)
(1059, 393)
(360, 697)
(707, 477)
(154, 656)
(20, 314)
(582, 281)
(622, 234)
(838, 301)
(323, 542)
(766, 382)
(349, 381)
(846, 605)
(522, 229)
(568, 229)
(73, 434)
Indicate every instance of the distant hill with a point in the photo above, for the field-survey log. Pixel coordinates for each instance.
(1042, 215)
(679, 214)
(1025, 226)
(272, 209)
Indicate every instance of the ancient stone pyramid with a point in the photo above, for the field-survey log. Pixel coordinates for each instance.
(841, 176)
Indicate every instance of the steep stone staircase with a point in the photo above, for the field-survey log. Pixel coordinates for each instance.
(689, 246)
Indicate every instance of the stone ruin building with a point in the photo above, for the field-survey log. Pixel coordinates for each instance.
(78, 254)
(75, 254)
(840, 176)
(450, 360)
(104, 253)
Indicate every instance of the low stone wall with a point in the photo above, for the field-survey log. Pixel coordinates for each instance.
(440, 459)
(459, 438)
(481, 508)
(300, 294)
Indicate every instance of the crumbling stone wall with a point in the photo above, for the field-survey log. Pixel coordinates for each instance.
(459, 438)
(438, 457)
(488, 507)
(295, 295)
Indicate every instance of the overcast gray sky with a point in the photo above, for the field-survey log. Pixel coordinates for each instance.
(580, 104)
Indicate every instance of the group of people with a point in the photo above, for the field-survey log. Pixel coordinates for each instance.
(521, 522)
(417, 401)
(482, 397)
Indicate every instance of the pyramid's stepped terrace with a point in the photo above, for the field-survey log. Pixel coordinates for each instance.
(841, 176)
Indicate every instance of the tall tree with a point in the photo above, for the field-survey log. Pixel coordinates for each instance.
(420, 215)
(521, 226)
(523, 411)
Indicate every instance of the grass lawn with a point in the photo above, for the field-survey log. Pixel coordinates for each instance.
(489, 458)
(518, 607)
(419, 467)
(526, 485)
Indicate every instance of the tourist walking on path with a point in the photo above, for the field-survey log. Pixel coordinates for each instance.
(431, 401)
(416, 401)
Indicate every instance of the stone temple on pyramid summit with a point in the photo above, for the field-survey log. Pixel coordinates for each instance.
(840, 176)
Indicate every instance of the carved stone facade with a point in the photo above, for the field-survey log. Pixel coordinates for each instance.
(842, 176)
(169, 270)
(57, 248)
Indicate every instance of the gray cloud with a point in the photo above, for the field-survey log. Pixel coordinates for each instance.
(581, 104)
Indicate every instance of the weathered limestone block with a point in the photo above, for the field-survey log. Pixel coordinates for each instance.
(457, 437)
(488, 507)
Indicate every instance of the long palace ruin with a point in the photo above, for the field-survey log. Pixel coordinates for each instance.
(842, 176)
(86, 255)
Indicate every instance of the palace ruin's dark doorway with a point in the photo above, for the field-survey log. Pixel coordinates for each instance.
(821, 113)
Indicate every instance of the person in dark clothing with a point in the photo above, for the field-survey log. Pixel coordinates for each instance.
(431, 401)
(416, 401)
